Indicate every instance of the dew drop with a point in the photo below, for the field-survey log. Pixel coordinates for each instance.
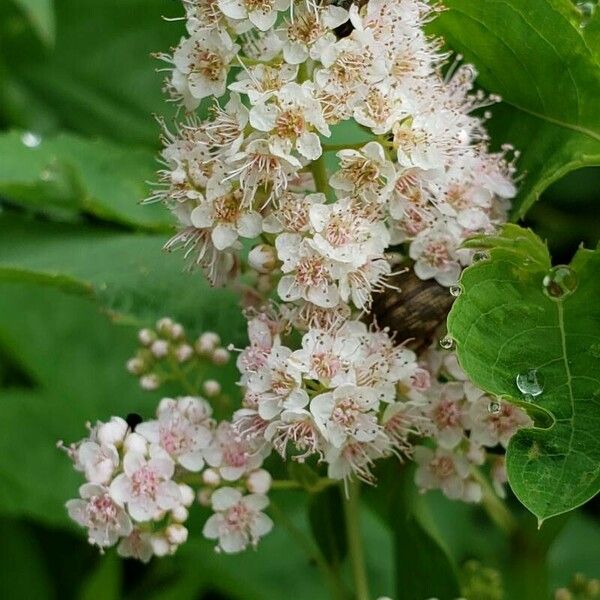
(455, 290)
(480, 255)
(586, 10)
(494, 407)
(530, 383)
(595, 350)
(446, 342)
(31, 140)
(560, 282)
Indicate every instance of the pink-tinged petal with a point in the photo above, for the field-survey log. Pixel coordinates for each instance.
(120, 489)
(224, 498)
(212, 526)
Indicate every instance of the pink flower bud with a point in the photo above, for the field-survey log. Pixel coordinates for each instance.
(146, 336)
(160, 348)
(259, 482)
(149, 382)
(207, 342)
(177, 534)
(211, 477)
(211, 388)
(220, 356)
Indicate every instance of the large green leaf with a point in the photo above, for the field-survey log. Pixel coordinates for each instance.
(41, 15)
(523, 332)
(77, 175)
(543, 58)
(127, 273)
(99, 79)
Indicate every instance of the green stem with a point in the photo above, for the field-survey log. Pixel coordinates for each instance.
(318, 169)
(338, 147)
(355, 548)
(335, 585)
(494, 506)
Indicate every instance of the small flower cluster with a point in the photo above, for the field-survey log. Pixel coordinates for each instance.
(283, 81)
(167, 355)
(463, 421)
(137, 494)
(347, 395)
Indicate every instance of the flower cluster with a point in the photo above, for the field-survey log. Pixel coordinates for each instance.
(284, 81)
(463, 422)
(347, 395)
(137, 494)
(166, 355)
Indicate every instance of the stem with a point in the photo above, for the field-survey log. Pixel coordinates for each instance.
(332, 579)
(495, 508)
(355, 549)
(318, 169)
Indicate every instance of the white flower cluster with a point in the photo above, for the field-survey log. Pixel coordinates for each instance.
(136, 493)
(334, 398)
(463, 421)
(283, 81)
(166, 355)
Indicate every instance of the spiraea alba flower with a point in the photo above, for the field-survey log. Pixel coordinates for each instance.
(266, 186)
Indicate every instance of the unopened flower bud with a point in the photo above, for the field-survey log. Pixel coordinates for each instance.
(149, 382)
(220, 356)
(146, 336)
(204, 497)
(259, 482)
(164, 326)
(113, 432)
(207, 342)
(160, 348)
(211, 477)
(176, 534)
(160, 545)
(180, 514)
(184, 353)
(263, 258)
(177, 331)
(187, 494)
(136, 366)
(211, 388)
(134, 442)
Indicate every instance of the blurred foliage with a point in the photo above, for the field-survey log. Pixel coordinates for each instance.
(78, 88)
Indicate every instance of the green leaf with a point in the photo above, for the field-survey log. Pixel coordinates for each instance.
(128, 274)
(41, 15)
(100, 78)
(23, 573)
(77, 175)
(422, 565)
(543, 58)
(326, 516)
(514, 340)
(105, 581)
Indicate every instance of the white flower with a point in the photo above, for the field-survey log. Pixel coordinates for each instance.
(232, 455)
(309, 27)
(290, 120)
(448, 413)
(97, 461)
(224, 213)
(182, 430)
(448, 471)
(292, 212)
(238, 521)
(365, 172)
(347, 412)
(435, 255)
(137, 545)
(105, 520)
(307, 273)
(261, 13)
(495, 422)
(146, 487)
(278, 385)
(260, 82)
(201, 64)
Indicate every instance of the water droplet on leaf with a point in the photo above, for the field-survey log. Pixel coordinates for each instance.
(595, 350)
(455, 290)
(586, 10)
(31, 140)
(530, 384)
(560, 282)
(446, 342)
